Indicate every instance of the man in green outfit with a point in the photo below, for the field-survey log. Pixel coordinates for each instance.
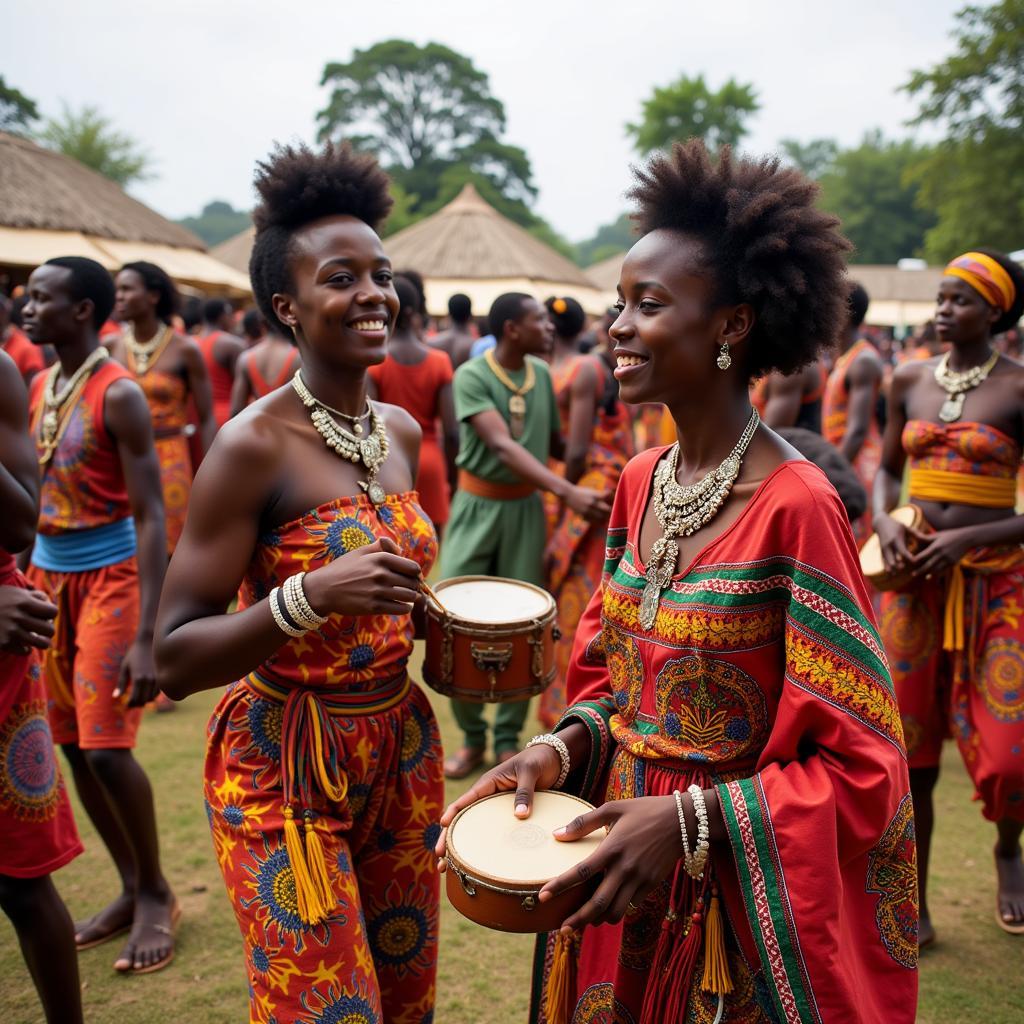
(508, 424)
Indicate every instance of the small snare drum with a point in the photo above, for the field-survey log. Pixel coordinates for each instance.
(498, 863)
(873, 565)
(490, 640)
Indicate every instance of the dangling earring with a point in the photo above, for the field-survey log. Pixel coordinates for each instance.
(724, 360)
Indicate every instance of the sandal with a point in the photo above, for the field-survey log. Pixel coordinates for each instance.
(162, 929)
(463, 762)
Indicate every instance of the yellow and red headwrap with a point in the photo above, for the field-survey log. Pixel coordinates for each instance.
(986, 277)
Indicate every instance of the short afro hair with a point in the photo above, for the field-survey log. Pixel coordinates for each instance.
(214, 309)
(89, 280)
(297, 186)
(504, 308)
(1016, 272)
(408, 300)
(192, 312)
(156, 279)
(415, 278)
(765, 239)
(460, 309)
(567, 315)
(857, 302)
(253, 324)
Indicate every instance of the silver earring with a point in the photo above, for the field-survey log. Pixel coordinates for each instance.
(724, 360)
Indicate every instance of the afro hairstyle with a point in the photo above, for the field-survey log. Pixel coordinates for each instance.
(297, 186)
(408, 300)
(508, 306)
(1016, 272)
(766, 243)
(460, 309)
(156, 279)
(88, 280)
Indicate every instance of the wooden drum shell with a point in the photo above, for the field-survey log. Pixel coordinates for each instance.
(871, 562)
(489, 662)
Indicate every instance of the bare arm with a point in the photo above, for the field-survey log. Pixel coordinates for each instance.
(863, 381)
(199, 386)
(784, 397)
(582, 412)
(19, 469)
(241, 390)
(889, 479)
(450, 426)
(128, 420)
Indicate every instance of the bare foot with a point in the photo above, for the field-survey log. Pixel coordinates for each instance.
(925, 931)
(113, 920)
(1010, 878)
(151, 943)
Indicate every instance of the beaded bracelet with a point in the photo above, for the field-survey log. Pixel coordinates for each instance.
(682, 826)
(302, 611)
(551, 740)
(700, 853)
(280, 615)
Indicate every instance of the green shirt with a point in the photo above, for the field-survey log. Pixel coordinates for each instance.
(477, 390)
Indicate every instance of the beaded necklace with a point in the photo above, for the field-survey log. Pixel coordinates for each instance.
(956, 385)
(517, 400)
(57, 405)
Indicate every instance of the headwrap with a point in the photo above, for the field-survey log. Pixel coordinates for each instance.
(986, 277)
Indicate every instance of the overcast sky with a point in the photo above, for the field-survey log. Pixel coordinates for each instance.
(207, 85)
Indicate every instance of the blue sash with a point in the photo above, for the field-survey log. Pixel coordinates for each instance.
(80, 550)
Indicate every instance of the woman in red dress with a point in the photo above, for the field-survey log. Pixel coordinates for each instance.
(727, 677)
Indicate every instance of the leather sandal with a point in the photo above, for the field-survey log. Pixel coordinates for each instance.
(463, 762)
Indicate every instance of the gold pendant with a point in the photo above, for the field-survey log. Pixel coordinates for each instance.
(649, 603)
(374, 491)
(952, 408)
(517, 405)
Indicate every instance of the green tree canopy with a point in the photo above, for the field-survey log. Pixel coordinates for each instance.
(423, 110)
(689, 108)
(218, 222)
(868, 188)
(89, 137)
(974, 179)
(608, 240)
(814, 157)
(17, 111)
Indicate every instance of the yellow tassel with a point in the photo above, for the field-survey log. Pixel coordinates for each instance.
(561, 989)
(716, 964)
(306, 899)
(318, 870)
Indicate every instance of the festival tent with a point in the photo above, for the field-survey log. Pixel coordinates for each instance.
(52, 205)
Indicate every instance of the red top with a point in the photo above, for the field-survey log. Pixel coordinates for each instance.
(221, 379)
(83, 484)
(260, 385)
(414, 386)
(28, 357)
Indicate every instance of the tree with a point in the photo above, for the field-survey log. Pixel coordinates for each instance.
(90, 138)
(17, 111)
(814, 157)
(975, 178)
(689, 108)
(218, 222)
(423, 110)
(608, 240)
(869, 189)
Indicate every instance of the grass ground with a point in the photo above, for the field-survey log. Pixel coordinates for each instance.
(974, 974)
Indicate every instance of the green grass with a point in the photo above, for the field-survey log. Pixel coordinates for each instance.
(974, 974)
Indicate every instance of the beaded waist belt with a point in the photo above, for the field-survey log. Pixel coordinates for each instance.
(311, 760)
(962, 488)
(481, 488)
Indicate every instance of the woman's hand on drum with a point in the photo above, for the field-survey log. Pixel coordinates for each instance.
(372, 580)
(892, 536)
(938, 552)
(638, 854)
(537, 767)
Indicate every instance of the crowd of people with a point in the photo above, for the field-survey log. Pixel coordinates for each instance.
(250, 500)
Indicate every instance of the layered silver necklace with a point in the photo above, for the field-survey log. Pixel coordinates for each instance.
(371, 451)
(682, 511)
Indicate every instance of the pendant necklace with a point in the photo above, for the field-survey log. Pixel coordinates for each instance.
(57, 405)
(371, 451)
(517, 400)
(143, 354)
(956, 385)
(682, 511)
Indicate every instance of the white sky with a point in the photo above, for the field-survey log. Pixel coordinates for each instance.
(207, 85)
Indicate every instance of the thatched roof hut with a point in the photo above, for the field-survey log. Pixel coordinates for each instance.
(51, 205)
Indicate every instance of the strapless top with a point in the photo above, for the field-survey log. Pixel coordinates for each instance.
(968, 448)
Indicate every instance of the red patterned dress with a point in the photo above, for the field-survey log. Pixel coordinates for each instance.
(37, 829)
(371, 954)
(575, 553)
(764, 677)
(956, 642)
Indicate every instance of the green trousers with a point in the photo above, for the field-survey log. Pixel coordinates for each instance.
(494, 538)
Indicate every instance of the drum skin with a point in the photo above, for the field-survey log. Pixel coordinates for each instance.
(473, 886)
(873, 565)
(486, 660)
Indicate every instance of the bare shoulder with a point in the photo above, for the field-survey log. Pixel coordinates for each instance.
(916, 369)
(401, 425)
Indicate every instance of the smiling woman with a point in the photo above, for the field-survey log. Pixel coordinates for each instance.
(728, 695)
(305, 507)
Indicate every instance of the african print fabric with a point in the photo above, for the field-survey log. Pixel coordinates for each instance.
(37, 829)
(835, 414)
(764, 677)
(373, 957)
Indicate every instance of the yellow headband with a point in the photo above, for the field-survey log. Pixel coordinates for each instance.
(986, 277)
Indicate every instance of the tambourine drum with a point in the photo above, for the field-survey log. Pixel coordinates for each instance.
(490, 640)
(873, 565)
(498, 863)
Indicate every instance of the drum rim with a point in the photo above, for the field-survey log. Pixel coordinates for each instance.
(508, 624)
(451, 853)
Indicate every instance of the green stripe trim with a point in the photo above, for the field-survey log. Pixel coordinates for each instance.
(595, 716)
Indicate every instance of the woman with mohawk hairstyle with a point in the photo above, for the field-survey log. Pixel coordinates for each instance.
(323, 771)
(729, 699)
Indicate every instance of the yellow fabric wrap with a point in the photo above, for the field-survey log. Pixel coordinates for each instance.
(985, 276)
(962, 488)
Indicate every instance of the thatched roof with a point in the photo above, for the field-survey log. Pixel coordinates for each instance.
(235, 252)
(468, 239)
(605, 275)
(42, 189)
